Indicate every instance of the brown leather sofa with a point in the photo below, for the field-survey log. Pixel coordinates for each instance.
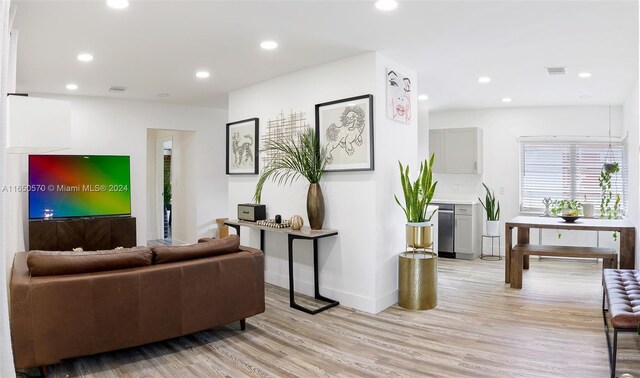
(70, 304)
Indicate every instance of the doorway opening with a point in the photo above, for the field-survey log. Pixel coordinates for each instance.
(167, 148)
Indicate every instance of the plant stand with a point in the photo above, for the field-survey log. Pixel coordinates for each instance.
(418, 278)
(490, 257)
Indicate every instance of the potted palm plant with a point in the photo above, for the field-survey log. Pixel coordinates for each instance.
(295, 156)
(492, 207)
(418, 270)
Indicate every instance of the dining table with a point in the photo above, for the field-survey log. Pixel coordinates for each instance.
(523, 224)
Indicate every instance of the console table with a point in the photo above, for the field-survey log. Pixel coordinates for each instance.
(305, 234)
(626, 229)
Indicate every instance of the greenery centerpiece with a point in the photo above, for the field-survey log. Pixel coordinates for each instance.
(295, 156)
(492, 208)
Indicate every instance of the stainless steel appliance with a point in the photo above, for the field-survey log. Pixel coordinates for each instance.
(446, 230)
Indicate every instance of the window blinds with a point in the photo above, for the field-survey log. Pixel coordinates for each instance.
(567, 170)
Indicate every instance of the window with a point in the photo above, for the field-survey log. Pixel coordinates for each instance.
(568, 170)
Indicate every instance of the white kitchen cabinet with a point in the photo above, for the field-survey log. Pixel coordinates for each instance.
(457, 150)
(436, 146)
(468, 231)
(463, 234)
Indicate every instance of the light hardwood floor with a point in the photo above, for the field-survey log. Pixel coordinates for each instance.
(481, 328)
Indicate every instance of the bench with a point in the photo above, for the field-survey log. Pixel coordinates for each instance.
(622, 295)
(608, 256)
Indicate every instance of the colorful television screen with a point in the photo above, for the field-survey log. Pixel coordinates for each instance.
(65, 186)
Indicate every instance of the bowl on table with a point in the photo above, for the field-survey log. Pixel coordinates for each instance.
(571, 218)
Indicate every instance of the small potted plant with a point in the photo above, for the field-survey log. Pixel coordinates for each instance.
(417, 197)
(492, 207)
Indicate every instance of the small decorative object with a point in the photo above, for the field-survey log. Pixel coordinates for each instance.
(345, 130)
(297, 156)
(273, 223)
(589, 210)
(492, 207)
(223, 229)
(399, 102)
(547, 203)
(77, 249)
(242, 147)
(296, 222)
(278, 218)
(118, 248)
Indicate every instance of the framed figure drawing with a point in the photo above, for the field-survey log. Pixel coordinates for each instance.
(398, 96)
(242, 147)
(344, 128)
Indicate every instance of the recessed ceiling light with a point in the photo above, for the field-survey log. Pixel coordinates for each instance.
(506, 99)
(386, 5)
(163, 95)
(202, 74)
(269, 45)
(584, 75)
(423, 97)
(118, 4)
(72, 87)
(84, 57)
(584, 97)
(484, 79)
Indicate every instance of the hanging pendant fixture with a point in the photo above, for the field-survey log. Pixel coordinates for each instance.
(610, 165)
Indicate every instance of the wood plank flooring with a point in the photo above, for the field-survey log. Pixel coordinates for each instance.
(481, 328)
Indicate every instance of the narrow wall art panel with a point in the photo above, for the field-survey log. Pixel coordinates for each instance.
(344, 129)
(242, 147)
(398, 96)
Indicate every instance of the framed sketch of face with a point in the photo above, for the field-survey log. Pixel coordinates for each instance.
(398, 97)
(344, 129)
(242, 147)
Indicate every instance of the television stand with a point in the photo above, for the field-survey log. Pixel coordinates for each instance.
(90, 234)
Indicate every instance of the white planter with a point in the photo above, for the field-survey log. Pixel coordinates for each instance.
(493, 228)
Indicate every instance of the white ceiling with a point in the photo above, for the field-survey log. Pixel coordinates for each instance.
(155, 47)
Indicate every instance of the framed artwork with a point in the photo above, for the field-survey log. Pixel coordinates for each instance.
(344, 128)
(398, 96)
(242, 147)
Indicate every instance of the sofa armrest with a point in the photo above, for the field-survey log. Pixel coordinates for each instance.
(20, 313)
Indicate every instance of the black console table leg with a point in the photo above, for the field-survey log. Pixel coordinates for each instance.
(292, 301)
(236, 227)
(262, 240)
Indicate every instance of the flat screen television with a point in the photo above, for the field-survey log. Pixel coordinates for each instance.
(68, 186)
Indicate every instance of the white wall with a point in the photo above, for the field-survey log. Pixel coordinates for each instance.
(108, 126)
(501, 130)
(356, 267)
(631, 129)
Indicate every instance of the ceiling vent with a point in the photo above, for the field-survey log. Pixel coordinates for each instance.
(117, 89)
(556, 71)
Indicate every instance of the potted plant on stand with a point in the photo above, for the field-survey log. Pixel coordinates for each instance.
(418, 270)
(296, 156)
(492, 207)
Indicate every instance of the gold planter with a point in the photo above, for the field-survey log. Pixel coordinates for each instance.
(419, 235)
(418, 281)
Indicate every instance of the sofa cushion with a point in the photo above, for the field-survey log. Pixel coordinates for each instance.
(168, 254)
(54, 263)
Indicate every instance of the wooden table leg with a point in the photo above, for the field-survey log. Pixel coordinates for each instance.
(627, 248)
(516, 269)
(507, 253)
(523, 238)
